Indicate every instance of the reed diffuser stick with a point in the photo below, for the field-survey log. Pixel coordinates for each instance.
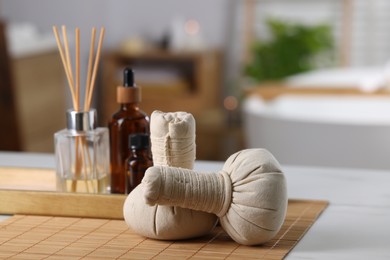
(89, 74)
(67, 54)
(79, 142)
(77, 32)
(95, 67)
(64, 62)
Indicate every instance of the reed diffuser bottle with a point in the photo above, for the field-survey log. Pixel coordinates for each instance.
(128, 120)
(82, 149)
(82, 154)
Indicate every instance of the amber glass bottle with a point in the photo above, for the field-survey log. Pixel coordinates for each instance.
(139, 161)
(128, 120)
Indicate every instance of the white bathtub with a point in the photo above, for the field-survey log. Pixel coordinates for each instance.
(334, 131)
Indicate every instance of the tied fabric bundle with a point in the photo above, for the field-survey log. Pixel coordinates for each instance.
(173, 144)
(173, 139)
(249, 194)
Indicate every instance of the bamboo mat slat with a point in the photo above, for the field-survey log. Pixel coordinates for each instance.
(38, 237)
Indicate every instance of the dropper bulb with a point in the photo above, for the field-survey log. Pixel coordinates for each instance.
(128, 77)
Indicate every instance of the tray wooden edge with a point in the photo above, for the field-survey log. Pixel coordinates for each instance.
(61, 204)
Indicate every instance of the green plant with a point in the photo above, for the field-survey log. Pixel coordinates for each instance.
(293, 48)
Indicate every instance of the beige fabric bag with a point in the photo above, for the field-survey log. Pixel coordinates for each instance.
(173, 144)
(249, 194)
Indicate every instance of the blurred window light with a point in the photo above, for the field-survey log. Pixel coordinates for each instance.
(192, 27)
(230, 103)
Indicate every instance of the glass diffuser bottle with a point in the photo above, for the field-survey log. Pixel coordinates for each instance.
(82, 154)
(82, 149)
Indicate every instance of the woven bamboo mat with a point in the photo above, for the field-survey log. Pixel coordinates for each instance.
(40, 237)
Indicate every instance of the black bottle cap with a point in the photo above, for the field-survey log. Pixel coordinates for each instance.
(139, 141)
(128, 77)
(128, 92)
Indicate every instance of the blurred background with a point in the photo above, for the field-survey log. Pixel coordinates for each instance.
(306, 79)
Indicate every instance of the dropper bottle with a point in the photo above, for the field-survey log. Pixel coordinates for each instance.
(129, 119)
(139, 161)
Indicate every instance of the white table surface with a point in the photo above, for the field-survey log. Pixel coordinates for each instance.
(355, 225)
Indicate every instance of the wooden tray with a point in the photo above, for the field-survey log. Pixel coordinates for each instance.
(33, 192)
(12, 178)
(38, 237)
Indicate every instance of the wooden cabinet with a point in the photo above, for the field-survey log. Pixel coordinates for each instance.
(169, 81)
(40, 96)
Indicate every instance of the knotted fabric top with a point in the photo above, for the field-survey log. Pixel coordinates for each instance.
(173, 139)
